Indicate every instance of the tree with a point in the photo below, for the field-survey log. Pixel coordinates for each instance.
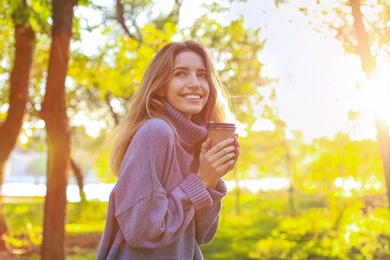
(102, 82)
(53, 113)
(367, 36)
(341, 158)
(19, 82)
(369, 65)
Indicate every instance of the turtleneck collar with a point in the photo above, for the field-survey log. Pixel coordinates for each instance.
(189, 132)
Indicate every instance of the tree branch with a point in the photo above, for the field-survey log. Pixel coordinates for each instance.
(119, 17)
(363, 45)
(114, 115)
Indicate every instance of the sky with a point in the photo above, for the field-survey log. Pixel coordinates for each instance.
(317, 79)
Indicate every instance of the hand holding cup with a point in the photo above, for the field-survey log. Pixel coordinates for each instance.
(219, 153)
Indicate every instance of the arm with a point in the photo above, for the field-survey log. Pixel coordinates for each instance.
(148, 215)
(207, 218)
(214, 164)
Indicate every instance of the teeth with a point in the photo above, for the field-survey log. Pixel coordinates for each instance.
(192, 96)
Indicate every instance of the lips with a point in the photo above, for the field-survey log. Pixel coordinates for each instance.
(192, 96)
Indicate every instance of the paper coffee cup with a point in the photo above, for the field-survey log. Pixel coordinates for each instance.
(220, 131)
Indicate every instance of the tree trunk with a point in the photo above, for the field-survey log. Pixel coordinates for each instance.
(384, 146)
(19, 81)
(369, 66)
(291, 199)
(290, 179)
(237, 192)
(79, 178)
(58, 132)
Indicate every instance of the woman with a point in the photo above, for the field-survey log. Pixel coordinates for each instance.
(167, 200)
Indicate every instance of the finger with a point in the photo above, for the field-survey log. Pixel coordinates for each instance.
(225, 158)
(215, 154)
(226, 167)
(238, 150)
(205, 146)
(224, 151)
(222, 144)
(236, 141)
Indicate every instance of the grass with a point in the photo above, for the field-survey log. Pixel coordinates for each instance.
(261, 220)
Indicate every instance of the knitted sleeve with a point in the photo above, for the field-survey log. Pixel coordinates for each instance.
(148, 215)
(207, 218)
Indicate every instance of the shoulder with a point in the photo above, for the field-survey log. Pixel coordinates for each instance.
(155, 130)
(156, 125)
(155, 140)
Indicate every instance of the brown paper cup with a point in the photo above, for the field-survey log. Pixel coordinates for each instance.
(220, 131)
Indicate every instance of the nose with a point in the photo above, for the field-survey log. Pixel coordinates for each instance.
(193, 82)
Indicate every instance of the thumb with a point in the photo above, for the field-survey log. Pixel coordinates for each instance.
(205, 146)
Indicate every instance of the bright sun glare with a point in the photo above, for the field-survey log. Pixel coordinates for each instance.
(314, 94)
(379, 89)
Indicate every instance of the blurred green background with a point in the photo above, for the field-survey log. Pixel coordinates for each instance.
(309, 90)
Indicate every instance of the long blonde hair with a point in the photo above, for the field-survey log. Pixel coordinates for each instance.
(146, 104)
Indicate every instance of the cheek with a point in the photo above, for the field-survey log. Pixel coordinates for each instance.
(207, 90)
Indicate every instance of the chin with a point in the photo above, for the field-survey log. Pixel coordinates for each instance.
(192, 111)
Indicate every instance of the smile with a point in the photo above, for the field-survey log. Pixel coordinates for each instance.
(192, 96)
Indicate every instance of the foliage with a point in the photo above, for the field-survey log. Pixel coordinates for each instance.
(328, 226)
(237, 234)
(26, 220)
(349, 229)
(25, 224)
(341, 158)
(100, 84)
(7, 41)
(315, 235)
(235, 51)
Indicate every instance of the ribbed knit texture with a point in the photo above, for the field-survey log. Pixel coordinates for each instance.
(189, 132)
(196, 196)
(159, 208)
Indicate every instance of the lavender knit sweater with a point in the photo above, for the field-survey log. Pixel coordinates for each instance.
(159, 208)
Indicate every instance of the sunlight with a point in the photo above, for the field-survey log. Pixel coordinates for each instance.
(373, 184)
(40, 124)
(349, 230)
(92, 126)
(4, 108)
(231, 118)
(23, 139)
(26, 133)
(379, 89)
(264, 184)
(347, 185)
(314, 98)
(371, 11)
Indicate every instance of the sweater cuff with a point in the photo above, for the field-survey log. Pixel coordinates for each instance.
(195, 190)
(219, 191)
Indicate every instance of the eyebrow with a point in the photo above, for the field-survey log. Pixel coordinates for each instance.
(186, 68)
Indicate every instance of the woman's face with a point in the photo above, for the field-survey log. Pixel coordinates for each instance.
(188, 89)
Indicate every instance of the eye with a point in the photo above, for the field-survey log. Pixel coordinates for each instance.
(202, 74)
(179, 73)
